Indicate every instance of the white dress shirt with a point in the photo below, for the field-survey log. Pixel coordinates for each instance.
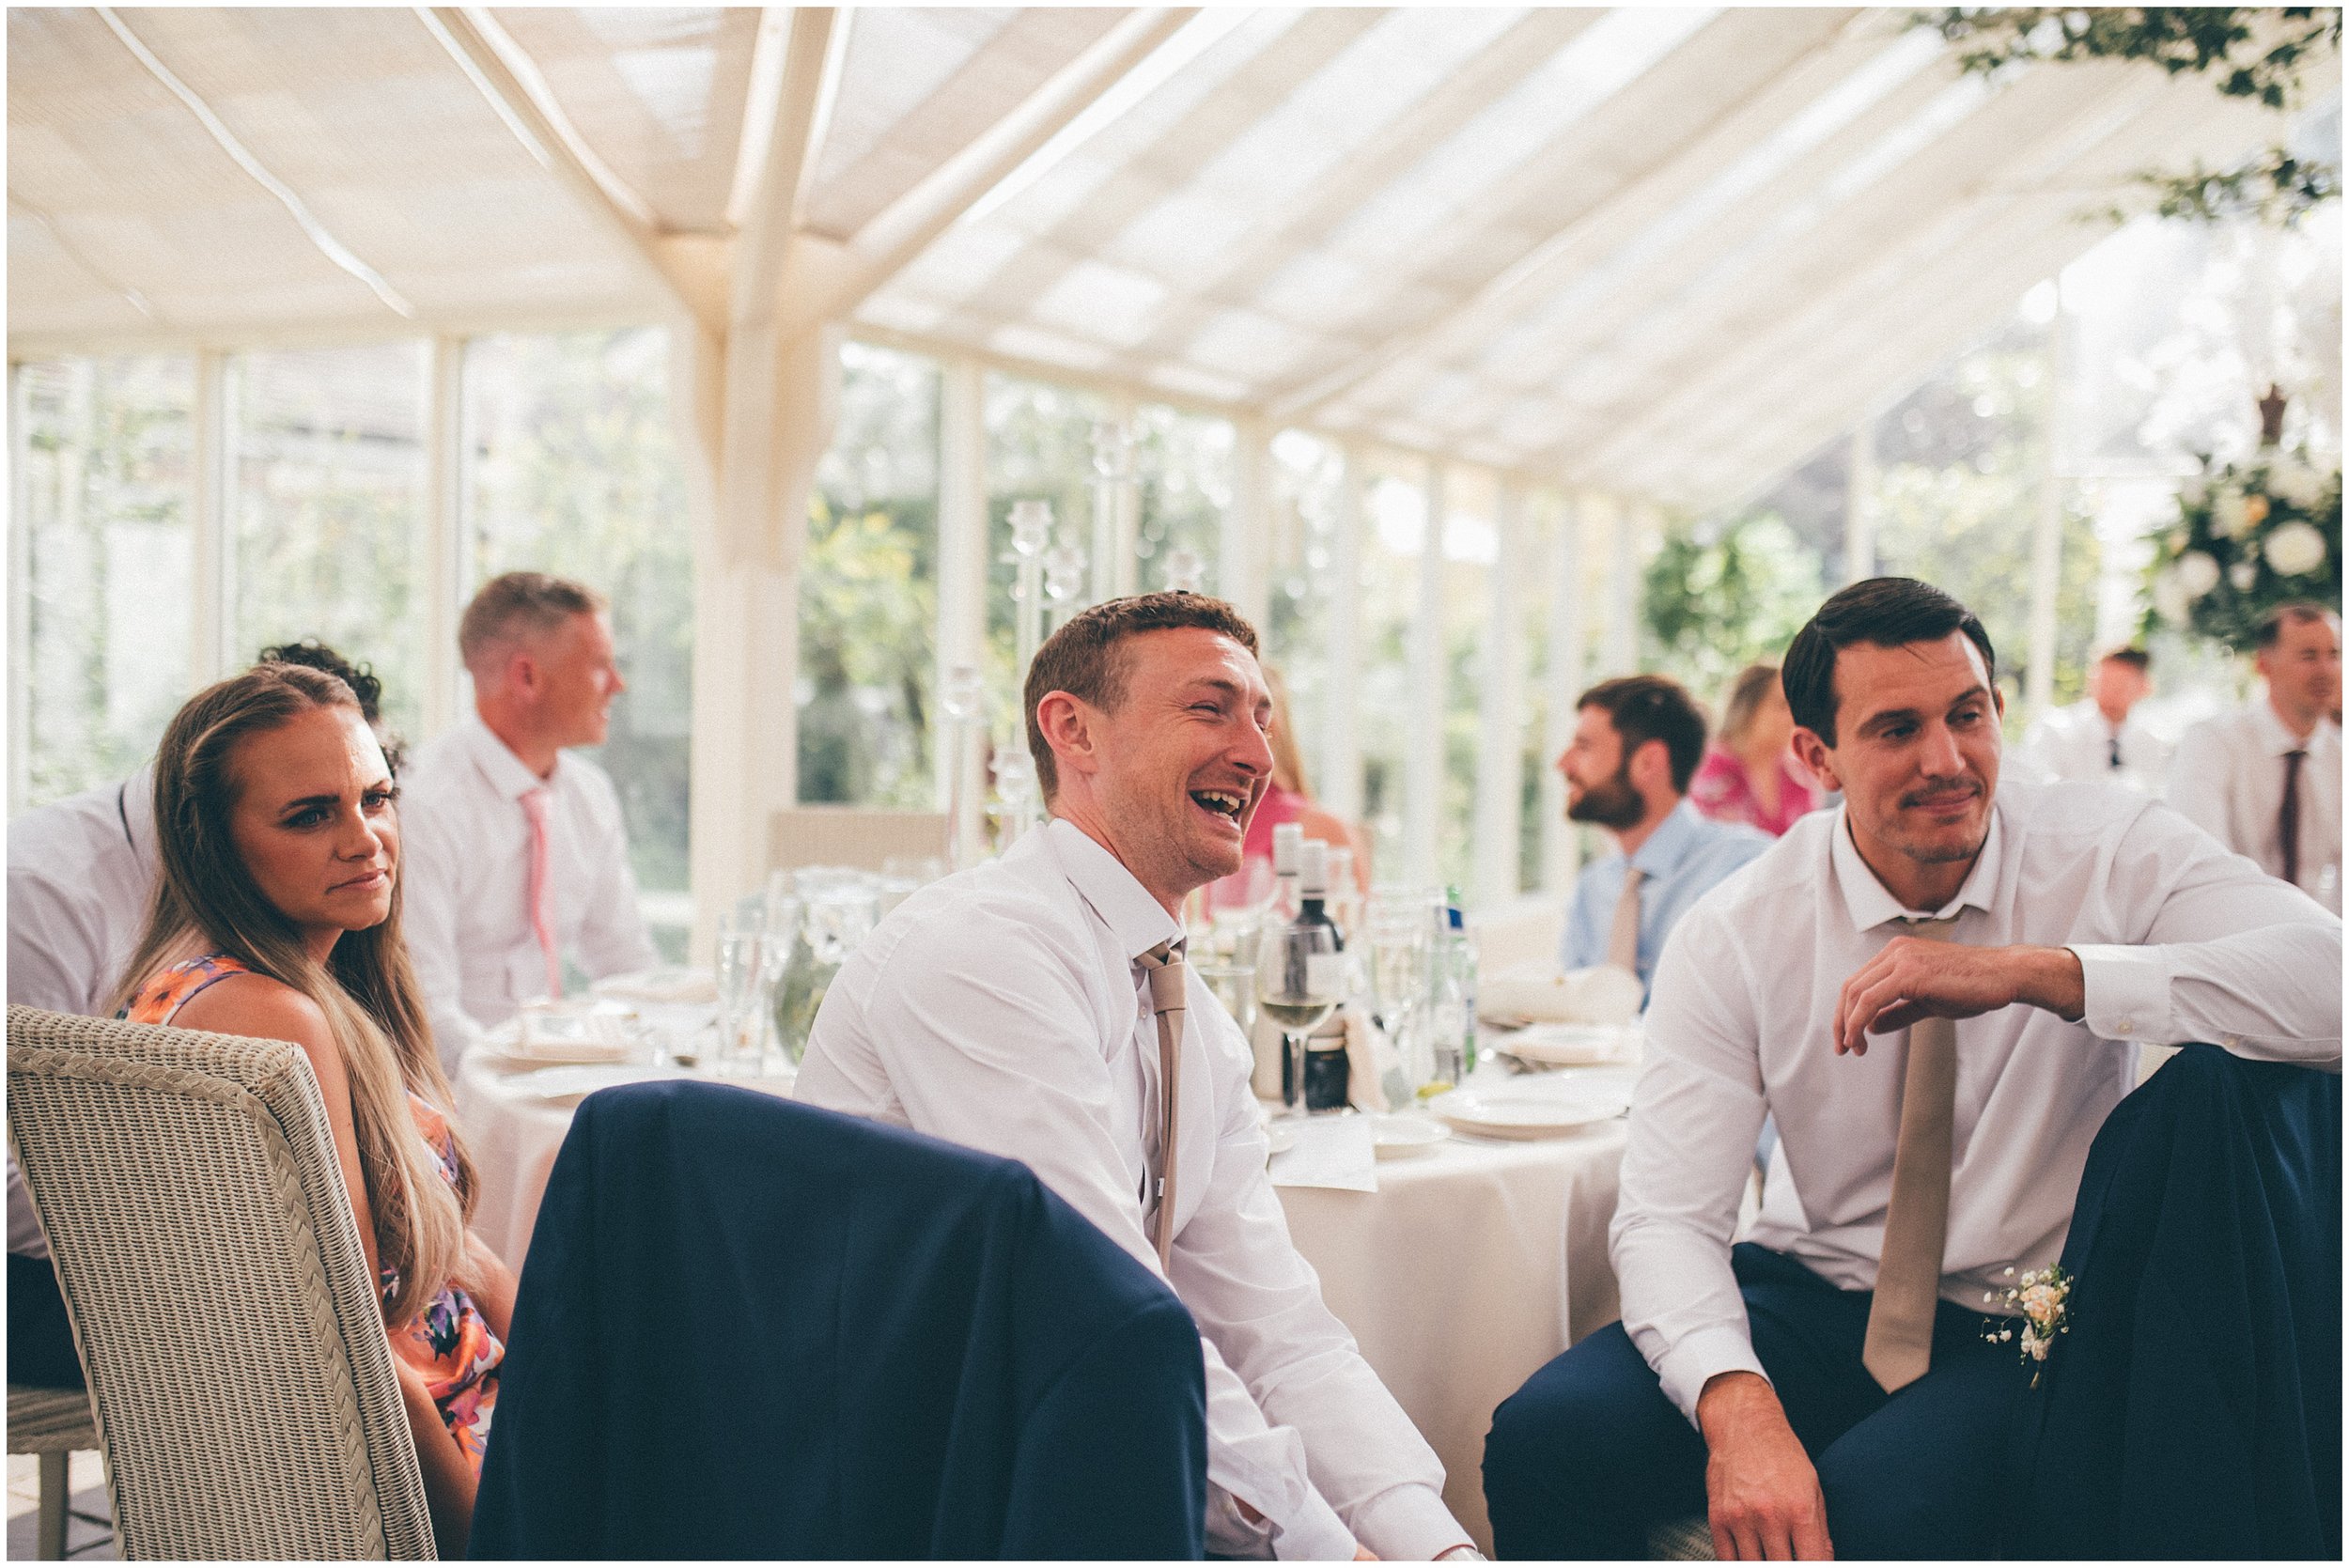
(2178, 940)
(1002, 1008)
(465, 837)
(2228, 778)
(2076, 742)
(81, 873)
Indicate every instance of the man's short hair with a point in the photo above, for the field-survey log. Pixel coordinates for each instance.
(2299, 612)
(1082, 657)
(1888, 612)
(1650, 707)
(2135, 657)
(517, 604)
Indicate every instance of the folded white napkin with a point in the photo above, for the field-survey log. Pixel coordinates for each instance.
(1600, 995)
(1331, 1151)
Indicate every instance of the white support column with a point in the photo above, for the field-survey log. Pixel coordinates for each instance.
(1341, 779)
(1499, 790)
(1245, 549)
(447, 575)
(1860, 500)
(1562, 679)
(1623, 589)
(212, 627)
(2047, 545)
(1423, 745)
(20, 591)
(961, 574)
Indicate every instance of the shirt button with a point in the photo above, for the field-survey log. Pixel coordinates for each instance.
(2127, 1026)
(2231, 1042)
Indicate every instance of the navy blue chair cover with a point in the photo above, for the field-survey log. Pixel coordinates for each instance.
(751, 1328)
(2194, 1410)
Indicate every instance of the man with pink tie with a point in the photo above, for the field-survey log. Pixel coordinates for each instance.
(516, 854)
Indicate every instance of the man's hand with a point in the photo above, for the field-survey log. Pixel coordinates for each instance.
(1759, 1489)
(1912, 979)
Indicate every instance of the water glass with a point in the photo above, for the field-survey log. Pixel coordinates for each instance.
(741, 967)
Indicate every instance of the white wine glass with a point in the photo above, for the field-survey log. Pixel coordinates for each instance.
(1301, 979)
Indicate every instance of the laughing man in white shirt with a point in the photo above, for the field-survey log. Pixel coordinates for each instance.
(517, 853)
(1751, 1382)
(1009, 1008)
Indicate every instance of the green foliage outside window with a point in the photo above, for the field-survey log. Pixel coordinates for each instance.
(1716, 604)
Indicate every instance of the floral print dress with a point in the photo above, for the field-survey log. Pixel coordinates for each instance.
(449, 1341)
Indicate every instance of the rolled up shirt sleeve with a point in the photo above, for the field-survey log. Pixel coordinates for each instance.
(1696, 1112)
(2225, 952)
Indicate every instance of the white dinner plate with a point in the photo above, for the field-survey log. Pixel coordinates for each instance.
(569, 1085)
(1569, 1045)
(1534, 1108)
(1399, 1137)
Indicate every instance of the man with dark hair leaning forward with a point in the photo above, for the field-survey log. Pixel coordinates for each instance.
(1938, 990)
(1038, 1007)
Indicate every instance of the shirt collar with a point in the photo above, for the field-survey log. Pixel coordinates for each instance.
(1661, 855)
(508, 774)
(1871, 904)
(2273, 738)
(1138, 921)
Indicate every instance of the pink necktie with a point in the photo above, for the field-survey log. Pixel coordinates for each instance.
(535, 803)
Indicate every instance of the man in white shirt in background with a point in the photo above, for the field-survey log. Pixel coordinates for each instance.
(1637, 743)
(2097, 737)
(2266, 779)
(517, 853)
(1823, 1387)
(1012, 1008)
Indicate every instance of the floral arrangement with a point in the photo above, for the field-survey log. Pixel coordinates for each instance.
(2249, 538)
(2042, 1300)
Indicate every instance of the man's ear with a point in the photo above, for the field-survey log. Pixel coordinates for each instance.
(1068, 723)
(1651, 765)
(1817, 755)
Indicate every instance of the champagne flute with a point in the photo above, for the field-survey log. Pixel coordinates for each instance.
(1299, 982)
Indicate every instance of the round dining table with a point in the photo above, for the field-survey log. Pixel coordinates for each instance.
(1473, 1264)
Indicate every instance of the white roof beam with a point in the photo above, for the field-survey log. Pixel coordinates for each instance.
(334, 249)
(459, 31)
(825, 280)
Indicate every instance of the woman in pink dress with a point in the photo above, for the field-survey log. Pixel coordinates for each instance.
(1284, 800)
(1749, 773)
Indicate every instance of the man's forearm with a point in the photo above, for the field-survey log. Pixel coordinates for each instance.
(2051, 978)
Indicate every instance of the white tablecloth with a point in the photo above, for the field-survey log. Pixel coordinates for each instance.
(1469, 1266)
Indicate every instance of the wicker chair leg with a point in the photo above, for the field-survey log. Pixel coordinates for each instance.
(49, 1534)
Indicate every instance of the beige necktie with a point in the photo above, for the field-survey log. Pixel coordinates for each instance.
(1622, 937)
(1899, 1346)
(1167, 971)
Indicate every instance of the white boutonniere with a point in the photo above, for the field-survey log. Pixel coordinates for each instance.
(2042, 1299)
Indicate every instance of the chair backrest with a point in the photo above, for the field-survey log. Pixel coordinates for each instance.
(753, 1330)
(238, 1366)
(847, 836)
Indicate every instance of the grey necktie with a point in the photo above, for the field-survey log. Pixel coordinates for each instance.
(1167, 971)
(1622, 937)
(1899, 1346)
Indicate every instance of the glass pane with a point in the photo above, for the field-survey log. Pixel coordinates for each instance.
(329, 506)
(574, 470)
(1186, 466)
(107, 449)
(1307, 477)
(1471, 545)
(868, 593)
(1395, 521)
(1039, 447)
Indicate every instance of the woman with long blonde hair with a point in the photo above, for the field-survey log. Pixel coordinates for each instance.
(276, 916)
